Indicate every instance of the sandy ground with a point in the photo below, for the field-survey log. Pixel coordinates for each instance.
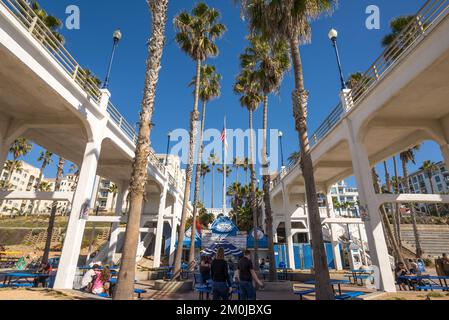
(46, 294)
(437, 295)
(39, 294)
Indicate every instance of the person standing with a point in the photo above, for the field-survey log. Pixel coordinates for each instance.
(222, 285)
(246, 275)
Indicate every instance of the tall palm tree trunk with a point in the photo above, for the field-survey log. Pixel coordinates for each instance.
(197, 189)
(300, 97)
(397, 206)
(125, 284)
(266, 193)
(204, 191)
(388, 185)
(412, 212)
(396, 249)
(36, 189)
(194, 117)
(54, 207)
(253, 200)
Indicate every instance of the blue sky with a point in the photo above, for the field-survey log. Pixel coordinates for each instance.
(91, 46)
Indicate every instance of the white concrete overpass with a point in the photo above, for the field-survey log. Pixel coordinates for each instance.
(402, 101)
(48, 98)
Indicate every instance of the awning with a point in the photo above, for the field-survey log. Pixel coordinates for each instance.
(229, 249)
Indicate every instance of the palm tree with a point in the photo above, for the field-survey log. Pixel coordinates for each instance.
(125, 284)
(395, 39)
(237, 163)
(222, 169)
(245, 167)
(213, 161)
(406, 157)
(385, 221)
(205, 169)
(196, 36)
(269, 61)
(429, 167)
(46, 158)
(51, 22)
(237, 193)
(249, 90)
(54, 207)
(20, 148)
(209, 89)
(76, 173)
(113, 189)
(294, 158)
(289, 20)
(396, 182)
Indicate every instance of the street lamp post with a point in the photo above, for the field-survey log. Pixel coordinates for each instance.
(333, 34)
(280, 135)
(116, 37)
(168, 148)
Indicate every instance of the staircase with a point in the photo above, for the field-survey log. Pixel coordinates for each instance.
(434, 239)
(40, 237)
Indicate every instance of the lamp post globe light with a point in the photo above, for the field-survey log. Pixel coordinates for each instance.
(281, 135)
(333, 35)
(168, 147)
(116, 37)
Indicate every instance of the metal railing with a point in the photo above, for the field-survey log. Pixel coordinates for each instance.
(427, 18)
(54, 46)
(122, 123)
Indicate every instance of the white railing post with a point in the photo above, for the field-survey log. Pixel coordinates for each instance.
(33, 25)
(346, 99)
(75, 72)
(104, 99)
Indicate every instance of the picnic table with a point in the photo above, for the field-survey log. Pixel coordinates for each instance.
(357, 275)
(415, 282)
(333, 283)
(20, 278)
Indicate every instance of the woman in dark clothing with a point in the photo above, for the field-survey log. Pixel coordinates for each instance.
(205, 269)
(221, 282)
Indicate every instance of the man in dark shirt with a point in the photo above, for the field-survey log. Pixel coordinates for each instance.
(246, 275)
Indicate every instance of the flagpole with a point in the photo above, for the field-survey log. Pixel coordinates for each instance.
(225, 169)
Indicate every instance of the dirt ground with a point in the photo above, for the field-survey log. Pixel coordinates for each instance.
(415, 296)
(38, 294)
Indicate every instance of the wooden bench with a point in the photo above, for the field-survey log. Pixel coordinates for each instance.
(303, 293)
(349, 295)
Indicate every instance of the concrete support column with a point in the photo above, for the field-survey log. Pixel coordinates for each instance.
(445, 152)
(289, 236)
(75, 229)
(330, 205)
(336, 247)
(333, 229)
(114, 230)
(174, 231)
(370, 204)
(160, 227)
(177, 207)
